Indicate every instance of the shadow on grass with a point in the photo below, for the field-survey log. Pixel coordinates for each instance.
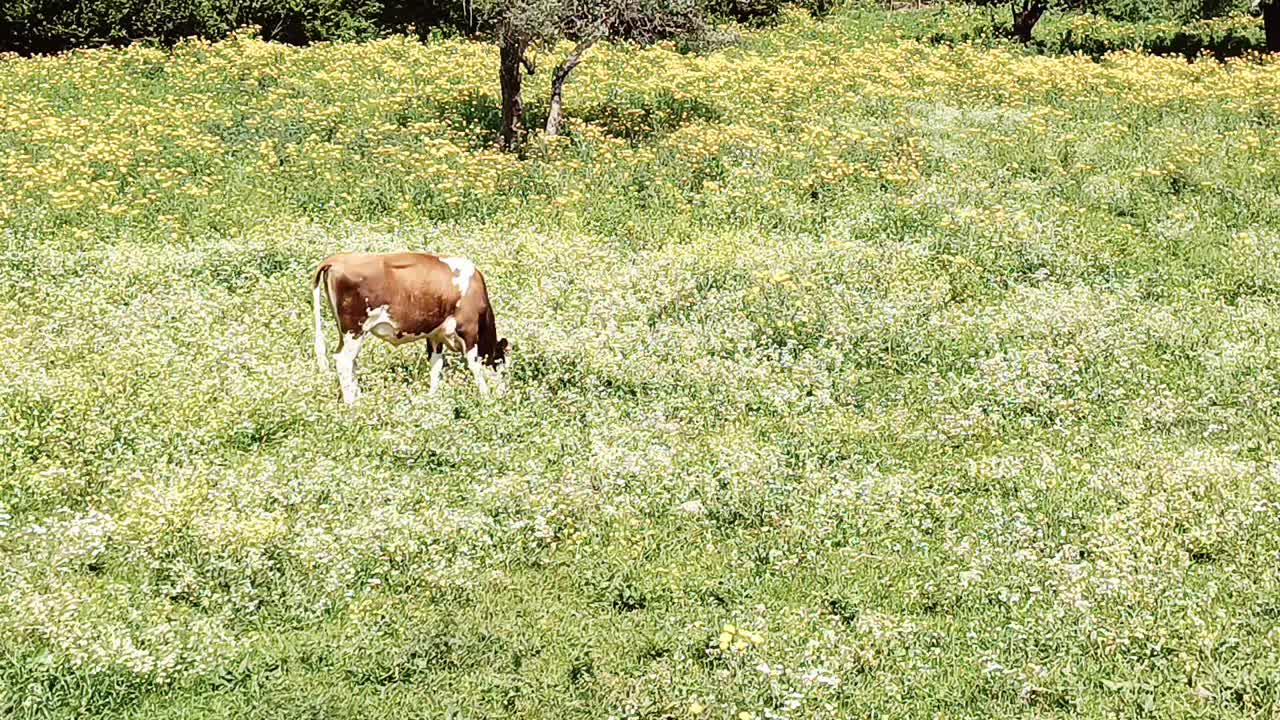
(640, 117)
(474, 114)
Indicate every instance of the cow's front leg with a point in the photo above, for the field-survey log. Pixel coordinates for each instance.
(437, 366)
(473, 362)
(345, 359)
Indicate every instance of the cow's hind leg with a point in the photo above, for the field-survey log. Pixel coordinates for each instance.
(437, 365)
(473, 362)
(345, 359)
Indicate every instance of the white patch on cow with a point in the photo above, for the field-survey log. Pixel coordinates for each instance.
(446, 333)
(345, 359)
(477, 370)
(379, 322)
(462, 269)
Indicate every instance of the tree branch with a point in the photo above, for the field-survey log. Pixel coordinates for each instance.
(555, 115)
(573, 58)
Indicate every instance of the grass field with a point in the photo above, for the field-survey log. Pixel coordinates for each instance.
(853, 377)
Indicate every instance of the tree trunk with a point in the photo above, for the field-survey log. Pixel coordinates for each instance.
(555, 115)
(1271, 21)
(511, 56)
(1025, 19)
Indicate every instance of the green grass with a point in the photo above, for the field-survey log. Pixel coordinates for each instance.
(950, 373)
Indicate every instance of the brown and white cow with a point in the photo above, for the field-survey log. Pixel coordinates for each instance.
(402, 298)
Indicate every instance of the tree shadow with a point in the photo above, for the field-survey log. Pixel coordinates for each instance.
(638, 117)
(1187, 42)
(475, 115)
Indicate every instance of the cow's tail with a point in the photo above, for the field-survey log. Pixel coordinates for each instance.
(319, 295)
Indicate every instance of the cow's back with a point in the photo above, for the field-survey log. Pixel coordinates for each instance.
(416, 289)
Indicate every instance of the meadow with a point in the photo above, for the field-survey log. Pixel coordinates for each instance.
(853, 376)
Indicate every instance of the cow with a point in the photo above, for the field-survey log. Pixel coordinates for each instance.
(401, 298)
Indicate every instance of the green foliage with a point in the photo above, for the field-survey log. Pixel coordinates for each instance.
(1222, 36)
(640, 21)
(765, 12)
(1176, 11)
(746, 11)
(52, 25)
(1096, 35)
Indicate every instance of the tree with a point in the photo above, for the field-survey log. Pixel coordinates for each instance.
(1271, 23)
(520, 25)
(586, 22)
(513, 46)
(1026, 13)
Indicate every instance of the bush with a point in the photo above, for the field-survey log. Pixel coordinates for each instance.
(1179, 11)
(1026, 14)
(1092, 35)
(29, 26)
(748, 12)
(764, 12)
(1095, 35)
(44, 26)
